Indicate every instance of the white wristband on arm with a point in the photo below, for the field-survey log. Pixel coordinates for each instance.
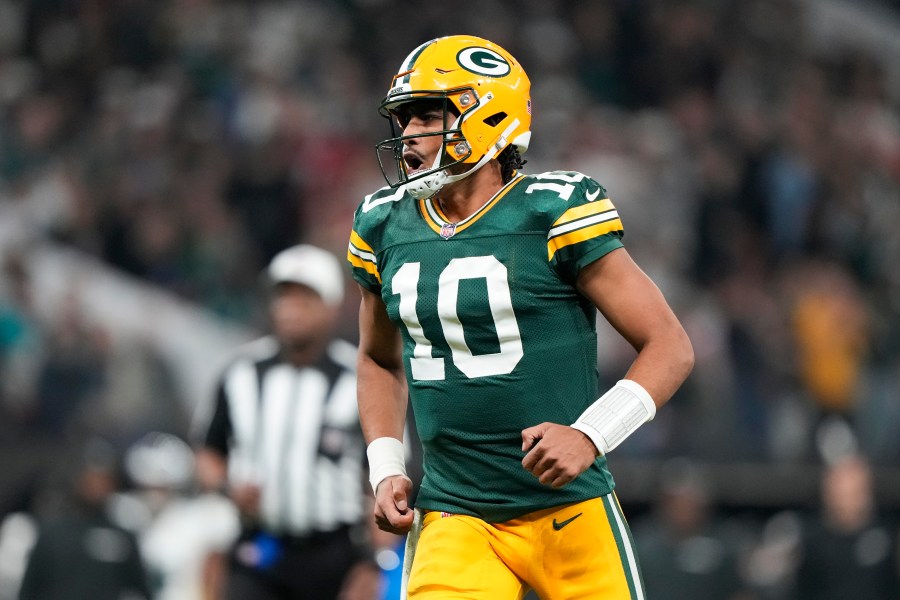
(616, 415)
(387, 458)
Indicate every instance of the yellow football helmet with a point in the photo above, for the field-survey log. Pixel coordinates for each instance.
(487, 106)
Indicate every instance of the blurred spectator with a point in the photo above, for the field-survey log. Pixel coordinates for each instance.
(80, 554)
(21, 347)
(849, 550)
(182, 534)
(769, 565)
(687, 552)
(73, 373)
(831, 336)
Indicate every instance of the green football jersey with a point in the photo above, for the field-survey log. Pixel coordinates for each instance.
(495, 336)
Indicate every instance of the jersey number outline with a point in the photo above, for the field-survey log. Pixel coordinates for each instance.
(424, 366)
(564, 190)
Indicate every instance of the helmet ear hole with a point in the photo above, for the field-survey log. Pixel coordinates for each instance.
(495, 119)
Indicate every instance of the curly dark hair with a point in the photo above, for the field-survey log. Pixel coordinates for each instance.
(510, 161)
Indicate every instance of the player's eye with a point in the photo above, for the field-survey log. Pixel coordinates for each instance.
(402, 119)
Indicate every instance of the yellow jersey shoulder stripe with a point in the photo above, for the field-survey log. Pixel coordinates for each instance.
(576, 224)
(359, 242)
(361, 255)
(588, 229)
(584, 210)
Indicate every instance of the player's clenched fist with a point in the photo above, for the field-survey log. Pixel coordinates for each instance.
(392, 510)
(556, 454)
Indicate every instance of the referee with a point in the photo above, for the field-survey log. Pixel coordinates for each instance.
(284, 442)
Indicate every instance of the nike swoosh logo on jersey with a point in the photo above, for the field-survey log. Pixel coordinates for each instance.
(561, 524)
(591, 197)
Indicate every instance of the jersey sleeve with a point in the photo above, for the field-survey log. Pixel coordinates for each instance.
(587, 228)
(361, 255)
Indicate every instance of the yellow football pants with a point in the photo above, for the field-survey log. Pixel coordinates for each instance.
(572, 552)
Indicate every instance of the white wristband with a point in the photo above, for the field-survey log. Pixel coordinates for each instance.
(386, 459)
(616, 415)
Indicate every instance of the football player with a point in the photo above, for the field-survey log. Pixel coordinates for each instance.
(480, 285)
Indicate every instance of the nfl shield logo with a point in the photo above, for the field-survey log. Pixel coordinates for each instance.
(447, 230)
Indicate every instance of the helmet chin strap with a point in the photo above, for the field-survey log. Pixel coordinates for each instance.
(431, 184)
(427, 186)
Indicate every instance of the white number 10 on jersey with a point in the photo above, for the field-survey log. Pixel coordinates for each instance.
(425, 367)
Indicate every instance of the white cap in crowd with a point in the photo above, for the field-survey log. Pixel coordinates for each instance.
(313, 267)
(160, 460)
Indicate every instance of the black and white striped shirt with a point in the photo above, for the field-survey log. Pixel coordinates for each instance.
(294, 431)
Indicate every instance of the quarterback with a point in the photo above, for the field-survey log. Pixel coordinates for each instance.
(480, 286)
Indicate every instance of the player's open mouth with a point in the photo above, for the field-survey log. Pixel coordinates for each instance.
(414, 164)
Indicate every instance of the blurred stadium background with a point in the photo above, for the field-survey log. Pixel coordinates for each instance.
(154, 154)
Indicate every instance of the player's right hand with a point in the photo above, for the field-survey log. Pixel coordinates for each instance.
(392, 510)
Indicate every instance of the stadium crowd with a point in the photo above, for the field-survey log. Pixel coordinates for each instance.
(185, 142)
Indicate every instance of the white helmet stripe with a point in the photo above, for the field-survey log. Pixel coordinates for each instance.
(410, 60)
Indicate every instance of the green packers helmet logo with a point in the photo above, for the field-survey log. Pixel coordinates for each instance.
(482, 61)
